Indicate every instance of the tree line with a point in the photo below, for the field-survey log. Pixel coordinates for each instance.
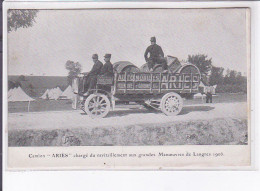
(230, 82)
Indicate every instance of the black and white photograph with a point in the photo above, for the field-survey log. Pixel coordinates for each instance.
(128, 78)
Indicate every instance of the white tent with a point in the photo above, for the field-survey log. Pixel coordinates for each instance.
(67, 94)
(17, 94)
(58, 90)
(10, 92)
(45, 95)
(52, 93)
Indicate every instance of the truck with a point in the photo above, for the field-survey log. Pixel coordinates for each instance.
(162, 91)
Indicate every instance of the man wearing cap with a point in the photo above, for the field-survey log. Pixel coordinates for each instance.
(91, 78)
(107, 69)
(154, 51)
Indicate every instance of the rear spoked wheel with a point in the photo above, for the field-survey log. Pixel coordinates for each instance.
(97, 105)
(171, 104)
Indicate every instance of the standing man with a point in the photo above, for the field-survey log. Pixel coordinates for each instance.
(209, 91)
(107, 69)
(154, 51)
(91, 78)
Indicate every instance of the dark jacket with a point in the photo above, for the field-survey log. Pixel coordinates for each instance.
(154, 51)
(107, 69)
(163, 62)
(96, 69)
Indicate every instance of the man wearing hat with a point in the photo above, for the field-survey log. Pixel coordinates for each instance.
(154, 51)
(107, 69)
(91, 78)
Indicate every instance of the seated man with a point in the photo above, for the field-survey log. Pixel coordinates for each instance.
(91, 79)
(107, 69)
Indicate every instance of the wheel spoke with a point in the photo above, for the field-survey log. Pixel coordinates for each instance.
(102, 104)
(101, 100)
(95, 99)
(103, 108)
(90, 107)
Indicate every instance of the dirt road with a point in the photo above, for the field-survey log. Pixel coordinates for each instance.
(212, 124)
(122, 117)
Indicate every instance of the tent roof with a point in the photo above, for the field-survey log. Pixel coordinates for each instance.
(17, 94)
(67, 94)
(45, 94)
(53, 93)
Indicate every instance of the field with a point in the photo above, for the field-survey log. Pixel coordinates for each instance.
(39, 105)
(65, 105)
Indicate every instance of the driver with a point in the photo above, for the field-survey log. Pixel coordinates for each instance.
(91, 78)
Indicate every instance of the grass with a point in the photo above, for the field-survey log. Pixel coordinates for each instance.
(63, 105)
(220, 98)
(40, 105)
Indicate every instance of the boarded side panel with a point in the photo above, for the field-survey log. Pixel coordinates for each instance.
(157, 82)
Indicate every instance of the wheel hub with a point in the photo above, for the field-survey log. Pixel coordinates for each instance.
(172, 104)
(96, 105)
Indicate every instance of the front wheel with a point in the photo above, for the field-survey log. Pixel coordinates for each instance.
(97, 105)
(171, 104)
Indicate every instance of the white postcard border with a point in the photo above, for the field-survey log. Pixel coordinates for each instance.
(67, 5)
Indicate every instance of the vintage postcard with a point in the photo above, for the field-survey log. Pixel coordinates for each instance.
(99, 87)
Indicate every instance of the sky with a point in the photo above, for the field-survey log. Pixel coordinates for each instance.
(61, 35)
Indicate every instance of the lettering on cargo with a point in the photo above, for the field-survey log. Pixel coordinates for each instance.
(143, 86)
(175, 78)
(158, 81)
(143, 77)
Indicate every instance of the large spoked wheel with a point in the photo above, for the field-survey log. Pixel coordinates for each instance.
(171, 104)
(97, 105)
